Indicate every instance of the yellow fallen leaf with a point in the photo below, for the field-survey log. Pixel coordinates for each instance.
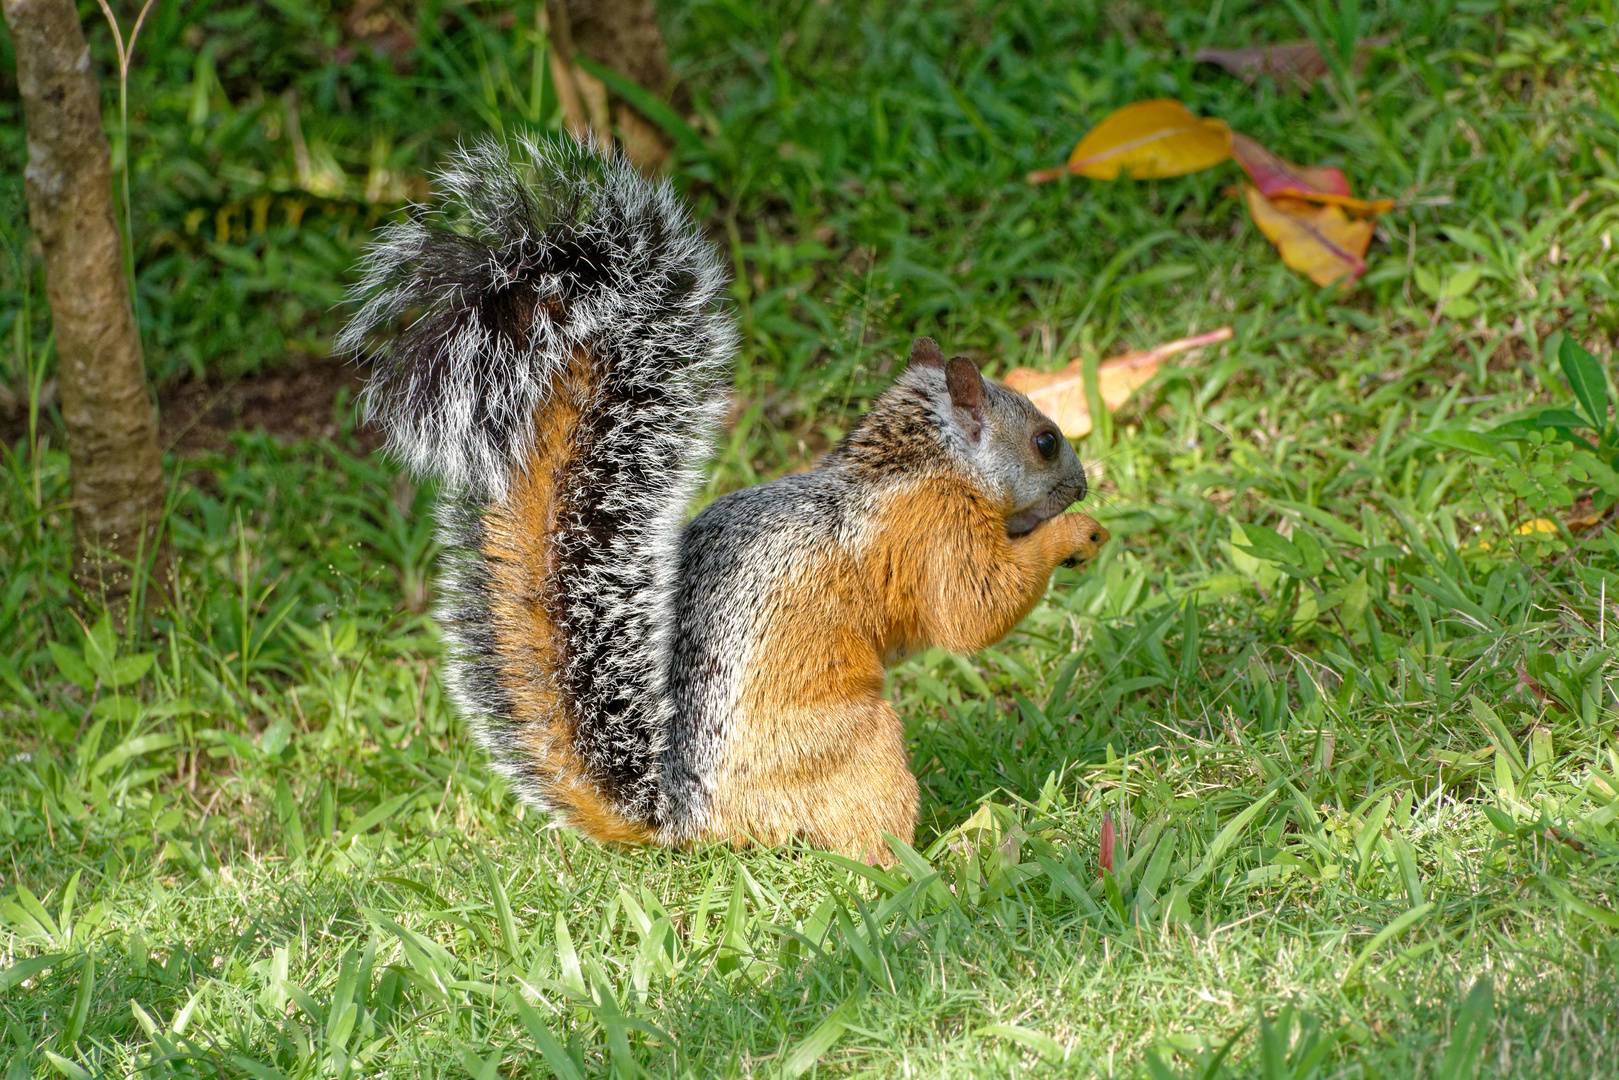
(1320, 242)
(1147, 140)
(1536, 525)
(1061, 394)
(1366, 207)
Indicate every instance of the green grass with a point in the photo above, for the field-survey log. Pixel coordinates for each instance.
(1364, 766)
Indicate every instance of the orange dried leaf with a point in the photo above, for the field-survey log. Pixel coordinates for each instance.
(1320, 242)
(1275, 176)
(1147, 140)
(1061, 394)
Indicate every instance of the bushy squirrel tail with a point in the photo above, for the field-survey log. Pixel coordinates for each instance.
(562, 373)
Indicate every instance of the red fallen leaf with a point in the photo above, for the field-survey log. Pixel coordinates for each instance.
(1275, 176)
(1299, 63)
(1148, 140)
(1106, 858)
(1061, 394)
(1321, 242)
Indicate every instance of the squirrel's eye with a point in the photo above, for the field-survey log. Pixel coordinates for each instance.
(1046, 443)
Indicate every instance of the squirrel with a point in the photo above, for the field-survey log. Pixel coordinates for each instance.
(644, 677)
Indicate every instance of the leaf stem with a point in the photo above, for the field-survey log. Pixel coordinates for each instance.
(124, 56)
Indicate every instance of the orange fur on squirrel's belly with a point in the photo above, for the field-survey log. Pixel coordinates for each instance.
(813, 751)
(527, 627)
(925, 600)
(971, 586)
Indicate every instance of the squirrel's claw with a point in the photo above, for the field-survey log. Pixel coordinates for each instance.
(1087, 535)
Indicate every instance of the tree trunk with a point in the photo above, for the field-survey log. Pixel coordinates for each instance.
(117, 469)
(622, 35)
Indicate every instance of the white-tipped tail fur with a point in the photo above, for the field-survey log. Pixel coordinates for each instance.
(531, 270)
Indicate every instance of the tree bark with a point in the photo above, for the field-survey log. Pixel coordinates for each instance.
(117, 468)
(623, 35)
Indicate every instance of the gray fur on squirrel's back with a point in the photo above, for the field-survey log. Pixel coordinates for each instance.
(528, 266)
(738, 557)
(745, 553)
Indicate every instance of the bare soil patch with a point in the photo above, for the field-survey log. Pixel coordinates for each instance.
(310, 401)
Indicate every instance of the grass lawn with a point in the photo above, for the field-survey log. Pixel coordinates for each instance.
(1340, 684)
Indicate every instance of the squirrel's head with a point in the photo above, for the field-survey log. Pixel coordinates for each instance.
(1014, 445)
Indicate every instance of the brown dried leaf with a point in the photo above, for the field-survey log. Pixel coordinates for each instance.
(1294, 63)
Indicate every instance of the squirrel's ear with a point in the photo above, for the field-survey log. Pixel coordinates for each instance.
(966, 394)
(925, 353)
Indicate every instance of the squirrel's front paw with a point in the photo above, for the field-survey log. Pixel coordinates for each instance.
(1086, 535)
